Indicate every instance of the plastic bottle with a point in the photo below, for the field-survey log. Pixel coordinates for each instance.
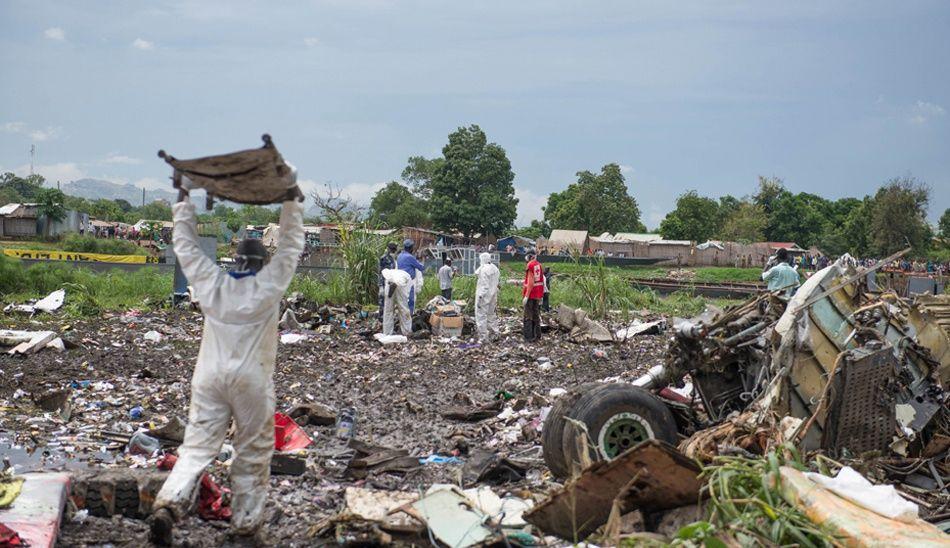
(143, 444)
(226, 453)
(346, 424)
(136, 412)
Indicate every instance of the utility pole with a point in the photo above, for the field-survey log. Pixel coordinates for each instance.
(32, 157)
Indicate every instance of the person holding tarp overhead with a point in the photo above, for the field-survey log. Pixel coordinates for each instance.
(233, 378)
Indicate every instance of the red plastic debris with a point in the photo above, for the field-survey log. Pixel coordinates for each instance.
(288, 436)
(9, 537)
(210, 495)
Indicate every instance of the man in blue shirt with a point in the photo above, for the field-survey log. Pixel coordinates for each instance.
(408, 263)
(782, 276)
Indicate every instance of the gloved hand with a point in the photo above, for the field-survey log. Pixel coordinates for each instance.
(294, 194)
(524, 301)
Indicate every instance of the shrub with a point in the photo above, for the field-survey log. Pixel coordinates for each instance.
(88, 244)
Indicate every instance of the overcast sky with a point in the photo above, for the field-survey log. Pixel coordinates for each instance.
(834, 97)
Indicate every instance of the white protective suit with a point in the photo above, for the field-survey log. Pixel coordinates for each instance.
(234, 374)
(398, 303)
(486, 297)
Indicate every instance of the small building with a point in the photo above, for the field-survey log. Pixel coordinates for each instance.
(18, 220)
(514, 244)
(565, 242)
(637, 237)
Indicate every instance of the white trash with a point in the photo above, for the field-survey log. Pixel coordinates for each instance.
(153, 336)
(881, 499)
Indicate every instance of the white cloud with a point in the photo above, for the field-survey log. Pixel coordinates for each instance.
(55, 33)
(529, 206)
(922, 111)
(310, 41)
(143, 44)
(34, 134)
(625, 169)
(14, 127)
(116, 158)
(45, 134)
(655, 215)
(63, 172)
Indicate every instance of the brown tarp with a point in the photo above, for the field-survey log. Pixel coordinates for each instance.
(256, 176)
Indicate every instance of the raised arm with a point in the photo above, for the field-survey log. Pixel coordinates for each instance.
(280, 270)
(200, 270)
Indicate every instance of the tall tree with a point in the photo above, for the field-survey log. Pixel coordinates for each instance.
(899, 217)
(769, 190)
(395, 206)
(746, 223)
(849, 232)
(26, 188)
(596, 203)
(944, 224)
(695, 218)
(798, 218)
(50, 205)
(418, 174)
(472, 189)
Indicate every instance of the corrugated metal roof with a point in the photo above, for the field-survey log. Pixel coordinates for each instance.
(8, 209)
(636, 237)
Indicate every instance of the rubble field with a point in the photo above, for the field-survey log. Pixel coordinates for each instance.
(126, 371)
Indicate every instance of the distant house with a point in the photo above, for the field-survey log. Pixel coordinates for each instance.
(18, 220)
(566, 241)
(24, 221)
(517, 243)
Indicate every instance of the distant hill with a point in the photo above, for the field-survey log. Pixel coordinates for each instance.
(94, 189)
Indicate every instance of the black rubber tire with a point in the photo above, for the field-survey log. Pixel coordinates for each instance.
(552, 433)
(597, 407)
(94, 502)
(127, 498)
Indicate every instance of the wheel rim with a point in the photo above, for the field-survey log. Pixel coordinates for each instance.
(621, 432)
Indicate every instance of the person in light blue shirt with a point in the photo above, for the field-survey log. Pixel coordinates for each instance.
(782, 275)
(408, 263)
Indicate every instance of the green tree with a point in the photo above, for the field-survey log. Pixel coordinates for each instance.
(899, 217)
(769, 190)
(472, 190)
(418, 174)
(155, 211)
(596, 203)
(25, 189)
(695, 218)
(745, 224)
(537, 229)
(123, 204)
(944, 224)
(50, 205)
(799, 218)
(849, 232)
(395, 206)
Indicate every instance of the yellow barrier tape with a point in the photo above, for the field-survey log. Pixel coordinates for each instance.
(47, 255)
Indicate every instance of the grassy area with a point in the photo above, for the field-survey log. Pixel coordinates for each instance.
(608, 293)
(599, 290)
(81, 244)
(88, 293)
(703, 273)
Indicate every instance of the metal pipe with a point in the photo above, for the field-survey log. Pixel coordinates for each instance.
(745, 333)
(651, 378)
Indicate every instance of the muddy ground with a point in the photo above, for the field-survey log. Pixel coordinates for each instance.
(396, 391)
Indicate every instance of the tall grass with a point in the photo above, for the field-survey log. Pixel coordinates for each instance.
(89, 244)
(87, 292)
(360, 251)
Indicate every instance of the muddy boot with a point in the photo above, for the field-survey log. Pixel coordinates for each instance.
(161, 527)
(528, 330)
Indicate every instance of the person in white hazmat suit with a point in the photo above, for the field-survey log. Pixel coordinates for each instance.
(233, 377)
(486, 297)
(396, 301)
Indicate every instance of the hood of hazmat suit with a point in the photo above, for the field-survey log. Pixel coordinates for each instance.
(486, 297)
(396, 277)
(234, 374)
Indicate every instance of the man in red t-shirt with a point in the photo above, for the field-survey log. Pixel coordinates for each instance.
(532, 294)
